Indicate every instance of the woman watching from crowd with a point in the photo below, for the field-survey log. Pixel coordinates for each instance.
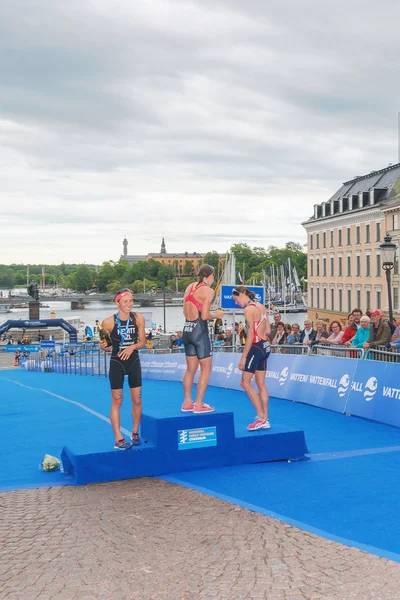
(362, 334)
(280, 336)
(321, 335)
(336, 333)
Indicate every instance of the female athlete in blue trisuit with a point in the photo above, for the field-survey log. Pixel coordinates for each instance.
(196, 339)
(127, 333)
(255, 353)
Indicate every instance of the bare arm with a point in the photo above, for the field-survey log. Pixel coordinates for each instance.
(107, 325)
(206, 313)
(250, 316)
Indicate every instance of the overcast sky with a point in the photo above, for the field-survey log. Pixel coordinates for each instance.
(209, 122)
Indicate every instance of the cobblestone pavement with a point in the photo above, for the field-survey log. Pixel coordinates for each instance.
(149, 539)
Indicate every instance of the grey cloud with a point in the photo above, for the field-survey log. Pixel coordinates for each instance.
(145, 115)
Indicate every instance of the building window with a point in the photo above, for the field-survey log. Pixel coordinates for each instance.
(317, 297)
(332, 299)
(395, 298)
(324, 240)
(324, 294)
(358, 236)
(358, 266)
(368, 299)
(339, 237)
(396, 263)
(332, 266)
(395, 221)
(378, 265)
(378, 300)
(348, 300)
(311, 242)
(312, 296)
(378, 232)
(324, 267)
(311, 267)
(331, 239)
(348, 236)
(358, 298)
(368, 265)
(340, 266)
(349, 266)
(368, 234)
(340, 300)
(317, 241)
(317, 267)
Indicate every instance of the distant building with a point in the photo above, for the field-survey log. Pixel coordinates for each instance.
(344, 258)
(181, 261)
(131, 258)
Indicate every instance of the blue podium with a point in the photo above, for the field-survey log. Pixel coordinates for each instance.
(182, 443)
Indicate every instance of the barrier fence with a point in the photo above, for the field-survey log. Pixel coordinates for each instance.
(363, 386)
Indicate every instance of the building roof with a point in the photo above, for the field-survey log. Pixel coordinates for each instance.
(385, 182)
(175, 255)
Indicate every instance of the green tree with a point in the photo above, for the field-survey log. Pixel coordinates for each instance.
(189, 267)
(105, 275)
(83, 278)
(212, 258)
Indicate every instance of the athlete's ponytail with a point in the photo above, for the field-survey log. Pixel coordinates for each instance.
(205, 271)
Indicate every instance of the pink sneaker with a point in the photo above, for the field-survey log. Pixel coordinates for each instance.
(204, 408)
(188, 407)
(258, 424)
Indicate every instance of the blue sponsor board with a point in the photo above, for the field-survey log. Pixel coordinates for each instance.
(197, 438)
(47, 344)
(316, 380)
(227, 300)
(363, 388)
(30, 348)
(375, 392)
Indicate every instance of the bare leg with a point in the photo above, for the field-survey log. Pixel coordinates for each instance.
(192, 363)
(136, 397)
(252, 394)
(115, 414)
(205, 372)
(262, 390)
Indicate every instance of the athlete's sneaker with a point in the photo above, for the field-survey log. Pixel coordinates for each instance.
(267, 424)
(188, 407)
(122, 445)
(204, 408)
(135, 439)
(258, 424)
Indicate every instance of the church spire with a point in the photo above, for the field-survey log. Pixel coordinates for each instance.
(163, 248)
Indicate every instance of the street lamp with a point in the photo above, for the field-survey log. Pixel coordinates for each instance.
(388, 251)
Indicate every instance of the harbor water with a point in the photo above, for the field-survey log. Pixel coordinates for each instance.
(174, 318)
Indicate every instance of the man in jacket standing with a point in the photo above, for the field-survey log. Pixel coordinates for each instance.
(380, 333)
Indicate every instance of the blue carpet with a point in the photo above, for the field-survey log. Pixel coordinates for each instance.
(347, 491)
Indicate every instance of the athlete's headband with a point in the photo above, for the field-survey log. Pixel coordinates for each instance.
(121, 293)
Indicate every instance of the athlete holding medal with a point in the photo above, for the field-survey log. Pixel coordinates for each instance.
(127, 333)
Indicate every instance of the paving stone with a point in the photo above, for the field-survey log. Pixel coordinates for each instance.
(150, 539)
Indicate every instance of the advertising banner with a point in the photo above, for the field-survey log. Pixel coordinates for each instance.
(375, 392)
(227, 300)
(316, 380)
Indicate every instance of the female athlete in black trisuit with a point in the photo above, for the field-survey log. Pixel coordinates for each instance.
(127, 333)
(196, 308)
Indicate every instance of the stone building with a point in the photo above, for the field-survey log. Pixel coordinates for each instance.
(344, 235)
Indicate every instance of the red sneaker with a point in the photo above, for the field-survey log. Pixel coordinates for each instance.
(258, 424)
(204, 408)
(188, 407)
